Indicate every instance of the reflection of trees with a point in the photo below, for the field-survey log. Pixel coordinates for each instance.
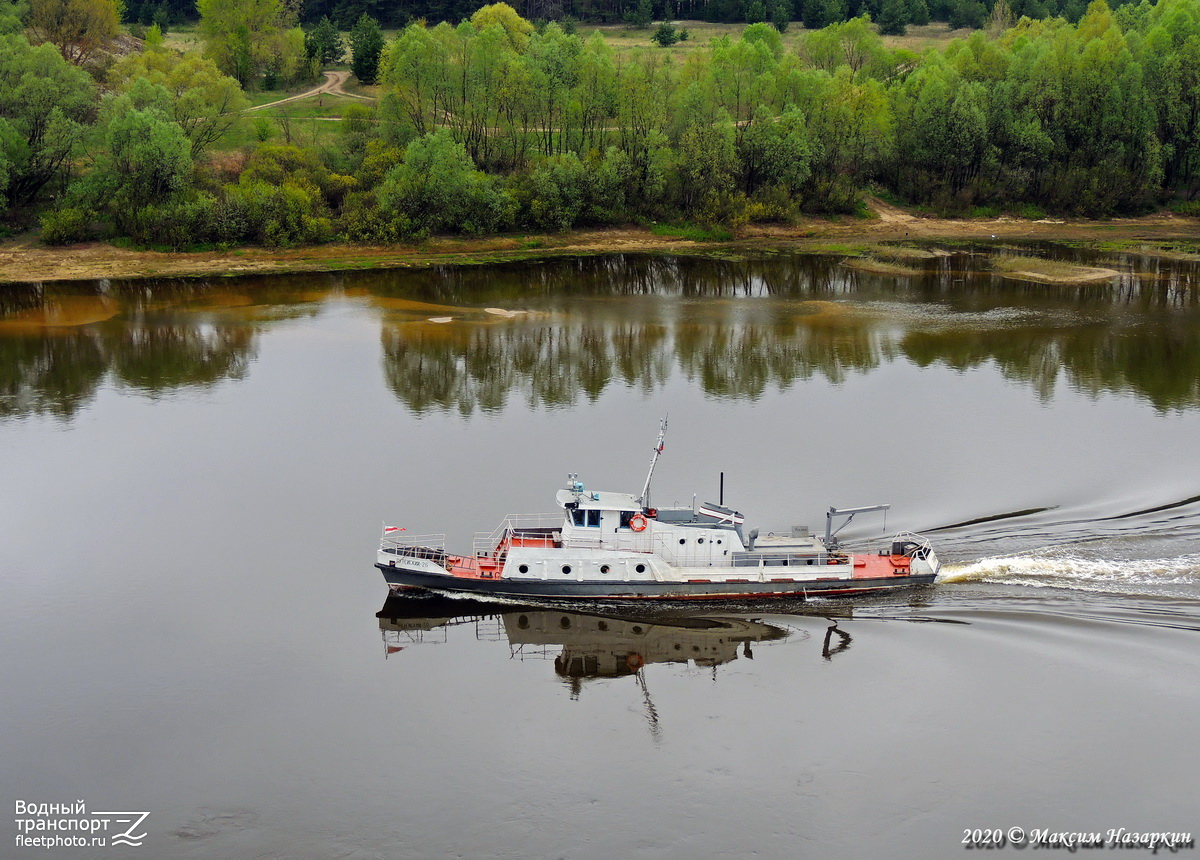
(741, 361)
(56, 366)
(467, 368)
(1159, 363)
(49, 375)
(1162, 366)
(463, 367)
(158, 358)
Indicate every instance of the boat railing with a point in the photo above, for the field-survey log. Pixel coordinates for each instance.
(527, 526)
(400, 545)
(924, 547)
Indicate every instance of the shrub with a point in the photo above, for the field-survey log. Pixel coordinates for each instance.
(1186, 207)
(66, 225)
(665, 35)
(438, 186)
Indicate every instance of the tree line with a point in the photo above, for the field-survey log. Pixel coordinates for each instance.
(496, 124)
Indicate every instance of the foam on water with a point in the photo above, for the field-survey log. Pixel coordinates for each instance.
(1066, 567)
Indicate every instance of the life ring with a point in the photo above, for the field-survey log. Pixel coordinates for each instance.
(635, 661)
(637, 522)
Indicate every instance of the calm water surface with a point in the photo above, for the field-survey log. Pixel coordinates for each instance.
(193, 477)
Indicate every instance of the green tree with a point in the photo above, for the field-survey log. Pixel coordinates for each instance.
(12, 16)
(241, 36)
(149, 158)
(324, 44)
(967, 13)
(775, 151)
(708, 164)
(78, 28)
(205, 103)
(437, 187)
(893, 18)
(46, 105)
(665, 36)
(640, 15)
(366, 47)
(821, 13)
(415, 69)
(516, 29)
(780, 15)
(146, 164)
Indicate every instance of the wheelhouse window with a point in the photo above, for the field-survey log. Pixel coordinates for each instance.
(586, 519)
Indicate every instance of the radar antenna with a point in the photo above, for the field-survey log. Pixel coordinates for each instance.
(644, 500)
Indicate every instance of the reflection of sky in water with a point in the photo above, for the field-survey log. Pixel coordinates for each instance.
(189, 598)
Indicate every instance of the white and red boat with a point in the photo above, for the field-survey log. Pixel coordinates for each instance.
(605, 547)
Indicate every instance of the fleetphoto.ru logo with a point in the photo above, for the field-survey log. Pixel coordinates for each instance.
(70, 825)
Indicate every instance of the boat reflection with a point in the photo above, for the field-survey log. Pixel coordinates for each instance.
(589, 645)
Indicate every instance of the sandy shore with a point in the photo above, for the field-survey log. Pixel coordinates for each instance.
(26, 260)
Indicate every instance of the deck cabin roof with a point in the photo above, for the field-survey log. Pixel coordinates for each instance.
(598, 500)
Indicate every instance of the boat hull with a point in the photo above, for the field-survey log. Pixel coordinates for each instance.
(404, 578)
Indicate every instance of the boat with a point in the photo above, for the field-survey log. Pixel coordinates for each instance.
(603, 547)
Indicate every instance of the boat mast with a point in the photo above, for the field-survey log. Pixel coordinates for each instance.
(644, 500)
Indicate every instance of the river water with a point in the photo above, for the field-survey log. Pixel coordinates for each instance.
(193, 477)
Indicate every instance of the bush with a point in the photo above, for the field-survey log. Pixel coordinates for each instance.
(1189, 208)
(363, 221)
(179, 223)
(66, 225)
(665, 35)
(438, 187)
(272, 215)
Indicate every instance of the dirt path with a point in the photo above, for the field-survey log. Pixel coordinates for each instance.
(24, 259)
(334, 84)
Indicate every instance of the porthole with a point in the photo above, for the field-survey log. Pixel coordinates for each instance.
(641, 568)
(566, 568)
(699, 540)
(718, 540)
(523, 622)
(678, 647)
(603, 625)
(604, 568)
(564, 623)
(636, 628)
(524, 568)
(682, 541)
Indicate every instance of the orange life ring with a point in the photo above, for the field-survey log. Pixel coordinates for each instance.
(634, 661)
(637, 522)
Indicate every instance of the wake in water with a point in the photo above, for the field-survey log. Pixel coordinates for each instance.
(1068, 567)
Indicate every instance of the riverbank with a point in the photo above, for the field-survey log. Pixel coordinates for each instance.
(25, 260)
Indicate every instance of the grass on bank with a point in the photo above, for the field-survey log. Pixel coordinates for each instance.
(1049, 271)
(692, 233)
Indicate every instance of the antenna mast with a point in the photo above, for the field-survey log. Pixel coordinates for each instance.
(658, 449)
